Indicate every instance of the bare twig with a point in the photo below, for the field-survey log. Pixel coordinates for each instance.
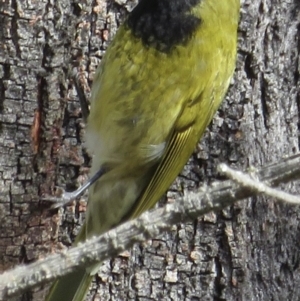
(149, 225)
(245, 180)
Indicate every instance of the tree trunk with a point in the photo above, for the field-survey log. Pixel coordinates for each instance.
(247, 252)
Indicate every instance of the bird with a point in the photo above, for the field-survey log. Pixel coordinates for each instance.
(156, 90)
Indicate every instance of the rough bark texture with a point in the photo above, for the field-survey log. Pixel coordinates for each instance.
(247, 252)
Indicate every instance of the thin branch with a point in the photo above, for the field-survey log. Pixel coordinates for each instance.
(149, 225)
(245, 180)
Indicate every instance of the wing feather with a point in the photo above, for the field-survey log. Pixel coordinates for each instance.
(164, 174)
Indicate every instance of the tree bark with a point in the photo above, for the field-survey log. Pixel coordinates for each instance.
(249, 251)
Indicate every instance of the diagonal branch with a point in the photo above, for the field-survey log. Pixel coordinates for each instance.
(149, 225)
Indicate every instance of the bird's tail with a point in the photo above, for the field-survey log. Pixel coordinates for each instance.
(71, 287)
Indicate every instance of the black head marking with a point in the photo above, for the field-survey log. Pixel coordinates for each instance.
(163, 23)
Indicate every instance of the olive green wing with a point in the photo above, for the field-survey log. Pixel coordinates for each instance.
(172, 163)
(188, 129)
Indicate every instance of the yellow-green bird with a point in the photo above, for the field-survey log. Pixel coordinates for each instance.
(160, 83)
